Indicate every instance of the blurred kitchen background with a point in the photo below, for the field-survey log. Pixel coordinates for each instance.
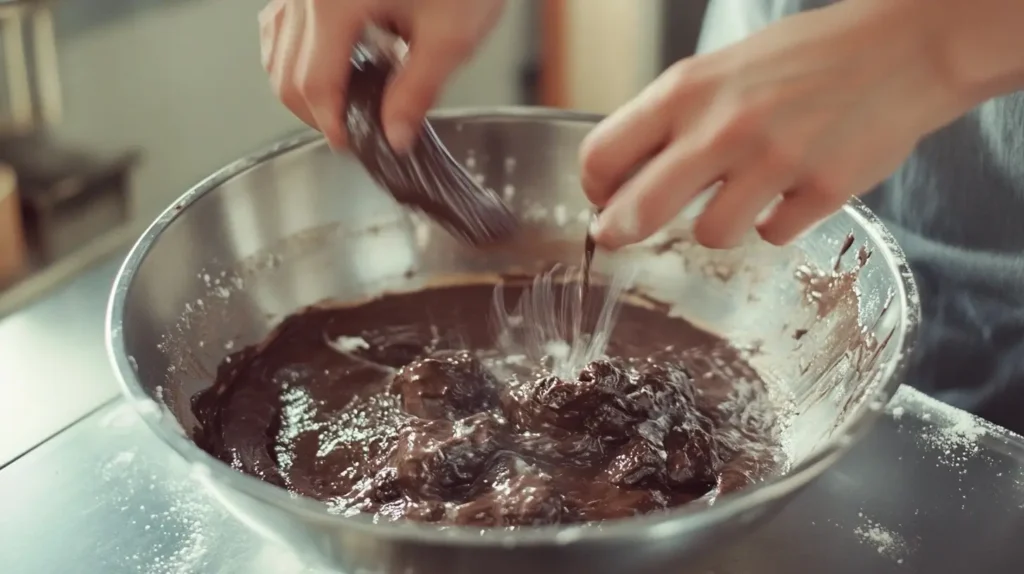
(110, 109)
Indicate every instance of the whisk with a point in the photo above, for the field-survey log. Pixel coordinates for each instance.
(427, 178)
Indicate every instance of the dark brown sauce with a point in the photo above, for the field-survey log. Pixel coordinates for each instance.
(403, 408)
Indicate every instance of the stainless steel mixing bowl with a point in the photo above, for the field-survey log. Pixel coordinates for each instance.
(296, 224)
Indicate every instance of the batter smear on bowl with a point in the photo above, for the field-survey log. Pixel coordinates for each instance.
(405, 408)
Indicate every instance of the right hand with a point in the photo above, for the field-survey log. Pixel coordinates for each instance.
(306, 45)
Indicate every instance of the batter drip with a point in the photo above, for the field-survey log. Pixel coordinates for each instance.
(403, 408)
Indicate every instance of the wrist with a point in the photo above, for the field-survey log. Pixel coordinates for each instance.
(979, 45)
(912, 53)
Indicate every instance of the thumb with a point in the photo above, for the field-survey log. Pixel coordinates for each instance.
(432, 60)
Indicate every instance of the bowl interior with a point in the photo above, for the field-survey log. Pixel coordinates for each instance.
(300, 225)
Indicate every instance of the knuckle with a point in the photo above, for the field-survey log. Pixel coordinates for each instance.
(676, 78)
(826, 189)
(739, 128)
(686, 74)
(781, 158)
(678, 84)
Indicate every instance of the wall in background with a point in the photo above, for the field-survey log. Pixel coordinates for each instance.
(680, 26)
(75, 16)
(182, 80)
(613, 50)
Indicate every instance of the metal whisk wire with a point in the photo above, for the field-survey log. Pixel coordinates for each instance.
(427, 178)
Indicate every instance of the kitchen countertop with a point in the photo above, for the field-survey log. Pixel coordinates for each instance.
(53, 363)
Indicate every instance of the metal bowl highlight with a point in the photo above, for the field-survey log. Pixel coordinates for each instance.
(296, 225)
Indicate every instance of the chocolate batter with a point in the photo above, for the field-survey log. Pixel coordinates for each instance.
(404, 407)
(426, 178)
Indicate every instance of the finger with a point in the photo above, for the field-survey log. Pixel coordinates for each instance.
(657, 193)
(322, 67)
(734, 208)
(433, 56)
(798, 212)
(270, 18)
(622, 143)
(287, 45)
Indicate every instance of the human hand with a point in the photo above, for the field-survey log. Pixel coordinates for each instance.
(306, 45)
(790, 122)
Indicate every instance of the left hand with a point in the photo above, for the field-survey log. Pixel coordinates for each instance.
(814, 109)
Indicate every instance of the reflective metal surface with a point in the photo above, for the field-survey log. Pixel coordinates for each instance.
(297, 225)
(53, 369)
(107, 497)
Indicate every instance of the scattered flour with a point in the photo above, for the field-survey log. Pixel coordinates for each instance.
(888, 543)
(953, 434)
(172, 519)
(171, 525)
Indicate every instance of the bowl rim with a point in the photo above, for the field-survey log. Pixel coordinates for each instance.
(687, 518)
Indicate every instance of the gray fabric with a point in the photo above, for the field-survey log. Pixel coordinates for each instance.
(955, 207)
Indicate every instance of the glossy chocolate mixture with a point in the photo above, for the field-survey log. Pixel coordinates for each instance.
(403, 408)
(426, 178)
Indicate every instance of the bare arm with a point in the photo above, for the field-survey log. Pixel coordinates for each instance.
(982, 44)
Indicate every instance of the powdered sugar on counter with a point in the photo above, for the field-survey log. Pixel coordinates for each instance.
(954, 435)
(182, 529)
(887, 542)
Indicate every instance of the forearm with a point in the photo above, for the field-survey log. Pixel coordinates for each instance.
(981, 44)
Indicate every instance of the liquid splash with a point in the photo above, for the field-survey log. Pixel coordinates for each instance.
(558, 322)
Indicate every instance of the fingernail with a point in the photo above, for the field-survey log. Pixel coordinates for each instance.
(592, 226)
(616, 227)
(400, 136)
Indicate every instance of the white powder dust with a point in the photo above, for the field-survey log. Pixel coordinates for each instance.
(558, 350)
(346, 345)
(176, 527)
(953, 435)
(176, 522)
(887, 542)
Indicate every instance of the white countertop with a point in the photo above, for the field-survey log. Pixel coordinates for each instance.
(53, 363)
